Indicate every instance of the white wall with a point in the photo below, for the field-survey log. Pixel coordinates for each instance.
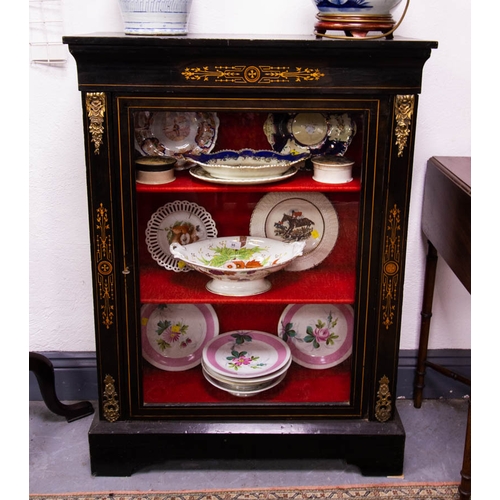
(60, 297)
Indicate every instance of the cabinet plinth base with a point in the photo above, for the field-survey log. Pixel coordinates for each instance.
(122, 448)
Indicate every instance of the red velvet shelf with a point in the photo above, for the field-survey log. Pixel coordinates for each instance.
(302, 181)
(160, 286)
(301, 385)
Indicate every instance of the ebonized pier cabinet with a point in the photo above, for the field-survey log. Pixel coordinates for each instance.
(146, 95)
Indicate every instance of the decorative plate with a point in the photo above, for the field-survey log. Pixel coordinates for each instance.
(173, 133)
(316, 133)
(319, 335)
(174, 335)
(177, 222)
(201, 174)
(309, 129)
(247, 383)
(243, 392)
(295, 216)
(245, 354)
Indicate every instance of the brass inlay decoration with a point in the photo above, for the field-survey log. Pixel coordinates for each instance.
(252, 74)
(405, 105)
(111, 408)
(391, 266)
(383, 406)
(96, 107)
(104, 259)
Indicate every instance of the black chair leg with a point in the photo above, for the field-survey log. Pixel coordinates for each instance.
(43, 369)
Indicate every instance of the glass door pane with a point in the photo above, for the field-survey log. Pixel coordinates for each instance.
(310, 305)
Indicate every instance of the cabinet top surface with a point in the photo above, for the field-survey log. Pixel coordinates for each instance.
(202, 40)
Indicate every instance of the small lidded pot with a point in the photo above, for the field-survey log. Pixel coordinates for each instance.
(330, 169)
(155, 169)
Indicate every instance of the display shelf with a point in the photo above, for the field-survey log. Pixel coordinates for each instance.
(301, 385)
(302, 181)
(161, 286)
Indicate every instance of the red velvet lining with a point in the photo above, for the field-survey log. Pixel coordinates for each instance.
(301, 385)
(302, 181)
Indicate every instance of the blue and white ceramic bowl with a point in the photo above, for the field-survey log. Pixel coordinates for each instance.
(155, 17)
(358, 7)
(247, 163)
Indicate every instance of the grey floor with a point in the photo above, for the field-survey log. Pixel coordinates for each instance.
(59, 458)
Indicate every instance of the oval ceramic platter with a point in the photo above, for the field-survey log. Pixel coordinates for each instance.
(180, 222)
(245, 354)
(289, 217)
(173, 133)
(319, 335)
(174, 335)
(201, 174)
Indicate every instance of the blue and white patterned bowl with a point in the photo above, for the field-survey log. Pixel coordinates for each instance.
(155, 17)
(357, 7)
(246, 163)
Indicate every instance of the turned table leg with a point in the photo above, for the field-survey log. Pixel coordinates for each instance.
(426, 314)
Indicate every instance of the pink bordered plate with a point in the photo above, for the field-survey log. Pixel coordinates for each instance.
(174, 335)
(243, 392)
(245, 354)
(319, 335)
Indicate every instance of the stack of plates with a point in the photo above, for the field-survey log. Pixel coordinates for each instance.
(245, 362)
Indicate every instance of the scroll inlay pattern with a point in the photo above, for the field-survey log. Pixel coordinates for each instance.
(252, 74)
(104, 259)
(391, 266)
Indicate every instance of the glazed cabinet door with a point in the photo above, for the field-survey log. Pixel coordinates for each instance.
(185, 340)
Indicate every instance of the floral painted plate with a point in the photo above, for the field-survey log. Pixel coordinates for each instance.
(245, 354)
(174, 335)
(239, 383)
(180, 222)
(174, 133)
(289, 217)
(243, 392)
(319, 335)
